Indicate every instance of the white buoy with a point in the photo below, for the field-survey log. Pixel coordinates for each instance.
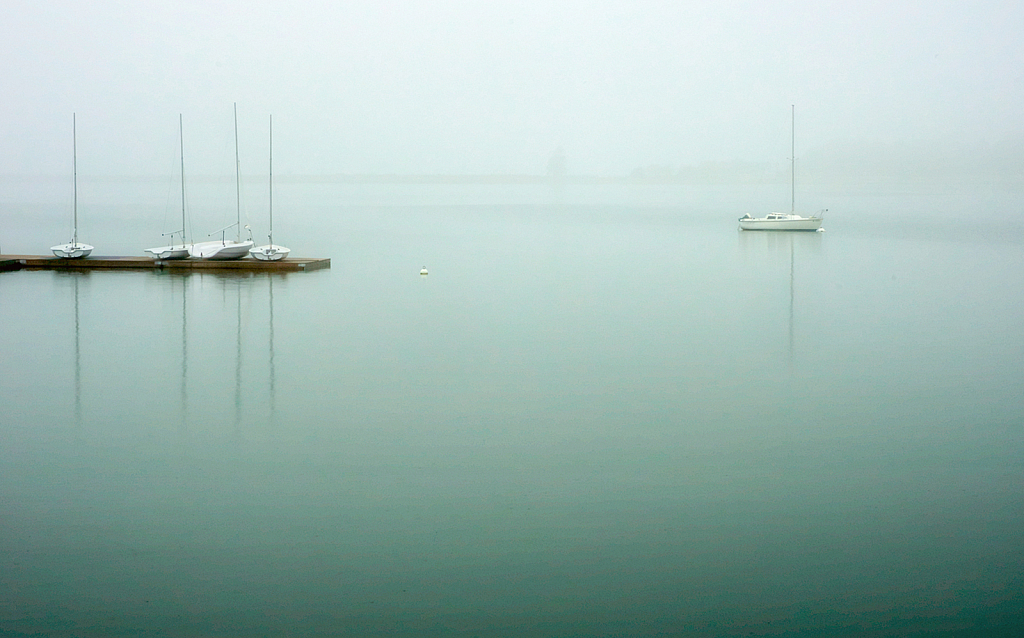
(424, 271)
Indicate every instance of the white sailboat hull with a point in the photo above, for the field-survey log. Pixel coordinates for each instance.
(169, 252)
(74, 250)
(780, 222)
(222, 250)
(270, 252)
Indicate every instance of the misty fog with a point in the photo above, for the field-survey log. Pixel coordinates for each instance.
(667, 90)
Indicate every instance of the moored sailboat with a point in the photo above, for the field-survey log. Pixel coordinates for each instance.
(790, 220)
(179, 251)
(271, 252)
(75, 249)
(226, 248)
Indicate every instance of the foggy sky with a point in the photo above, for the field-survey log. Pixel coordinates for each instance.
(477, 87)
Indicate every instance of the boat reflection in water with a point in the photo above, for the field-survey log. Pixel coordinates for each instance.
(222, 355)
(775, 253)
(76, 277)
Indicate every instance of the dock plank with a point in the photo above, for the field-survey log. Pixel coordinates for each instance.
(43, 262)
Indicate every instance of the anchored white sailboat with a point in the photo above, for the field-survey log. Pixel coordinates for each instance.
(790, 220)
(226, 248)
(74, 250)
(179, 251)
(270, 252)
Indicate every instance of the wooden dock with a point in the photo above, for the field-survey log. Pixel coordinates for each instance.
(42, 262)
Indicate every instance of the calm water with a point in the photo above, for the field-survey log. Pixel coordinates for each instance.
(605, 412)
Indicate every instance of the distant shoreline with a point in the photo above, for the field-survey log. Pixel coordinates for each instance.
(525, 180)
(809, 179)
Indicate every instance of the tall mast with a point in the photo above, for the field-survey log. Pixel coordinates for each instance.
(792, 160)
(238, 184)
(181, 140)
(271, 181)
(74, 172)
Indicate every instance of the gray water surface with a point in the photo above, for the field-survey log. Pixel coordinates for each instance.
(592, 418)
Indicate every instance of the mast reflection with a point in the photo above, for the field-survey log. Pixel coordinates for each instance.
(76, 277)
(273, 389)
(184, 353)
(769, 250)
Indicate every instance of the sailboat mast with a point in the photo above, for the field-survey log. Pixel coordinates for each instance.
(792, 159)
(181, 141)
(271, 181)
(74, 172)
(238, 184)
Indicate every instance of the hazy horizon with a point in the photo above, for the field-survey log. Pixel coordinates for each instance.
(460, 88)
